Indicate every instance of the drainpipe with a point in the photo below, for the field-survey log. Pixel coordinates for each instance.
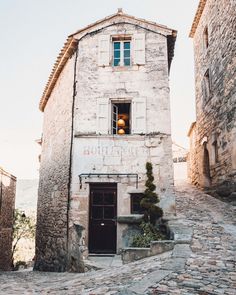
(71, 148)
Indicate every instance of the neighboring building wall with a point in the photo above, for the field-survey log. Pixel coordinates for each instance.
(7, 205)
(215, 77)
(51, 233)
(192, 164)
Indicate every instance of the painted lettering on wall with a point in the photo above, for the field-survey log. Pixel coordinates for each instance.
(114, 151)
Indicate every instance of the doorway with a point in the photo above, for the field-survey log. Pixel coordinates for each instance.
(102, 218)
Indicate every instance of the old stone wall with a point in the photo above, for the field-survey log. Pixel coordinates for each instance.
(62, 221)
(215, 112)
(192, 161)
(106, 153)
(7, 205)
(51, 233)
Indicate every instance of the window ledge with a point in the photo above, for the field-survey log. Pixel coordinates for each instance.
(116, 136)
(125, 68)
(130, 219)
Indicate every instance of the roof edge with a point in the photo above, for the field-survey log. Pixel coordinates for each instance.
(191, 128)
(4, 172)
(68, 49)
(121, 13)
(71, 44)
(197, 17)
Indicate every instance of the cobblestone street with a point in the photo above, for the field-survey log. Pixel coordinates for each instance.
(206, 266)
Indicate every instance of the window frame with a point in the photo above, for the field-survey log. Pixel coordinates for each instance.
(132, 196)
(122, 40)
(115, 102)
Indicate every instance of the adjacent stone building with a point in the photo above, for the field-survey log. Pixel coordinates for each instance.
(7, 205)
(106, 113)
(213, 135)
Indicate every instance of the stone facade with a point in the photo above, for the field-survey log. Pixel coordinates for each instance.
(213, 137)
(78, 139)
(7, 205)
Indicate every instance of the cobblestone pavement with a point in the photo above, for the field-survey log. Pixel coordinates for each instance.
(205, 266)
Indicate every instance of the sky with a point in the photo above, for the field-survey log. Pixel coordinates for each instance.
(33, 32)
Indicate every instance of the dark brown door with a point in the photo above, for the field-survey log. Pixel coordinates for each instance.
(102, 218)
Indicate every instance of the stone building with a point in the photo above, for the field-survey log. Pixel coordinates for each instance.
(7, 205)
(106, 113)
(213, 135)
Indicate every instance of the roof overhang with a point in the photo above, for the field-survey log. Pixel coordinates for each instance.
(66, 52)
(7, 174)
(197, 17)
(192, 126)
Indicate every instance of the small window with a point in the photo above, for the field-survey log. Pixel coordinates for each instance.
(121, 51)
(205, 38)
(121, 118)
(215, 150)
(135, 203)
(207, 86)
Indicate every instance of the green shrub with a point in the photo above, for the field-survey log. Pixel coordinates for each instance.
(148, 234)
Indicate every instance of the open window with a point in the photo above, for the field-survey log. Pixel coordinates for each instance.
(121, 122)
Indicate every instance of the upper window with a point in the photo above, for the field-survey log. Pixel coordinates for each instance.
(206, 38)
(121, 51)
(116, 50)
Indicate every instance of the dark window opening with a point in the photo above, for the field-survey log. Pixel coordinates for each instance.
(216, 153)
(206, 38)
(121, 118)
(135, 203)
(206, 162)
(207, 85)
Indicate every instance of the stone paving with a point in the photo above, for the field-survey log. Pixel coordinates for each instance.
(206, 266)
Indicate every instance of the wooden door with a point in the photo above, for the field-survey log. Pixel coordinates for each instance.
(102, 218)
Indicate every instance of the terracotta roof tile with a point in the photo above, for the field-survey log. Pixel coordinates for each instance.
(197, 17)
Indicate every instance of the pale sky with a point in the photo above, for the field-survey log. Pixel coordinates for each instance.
(33, 32)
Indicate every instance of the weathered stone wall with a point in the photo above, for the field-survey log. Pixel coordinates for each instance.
(7, 205)
(192, 164)
(60, 236)
(121, 154)
(51, 233)
(216, 116)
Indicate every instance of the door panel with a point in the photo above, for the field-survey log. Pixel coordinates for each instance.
(102, 218)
